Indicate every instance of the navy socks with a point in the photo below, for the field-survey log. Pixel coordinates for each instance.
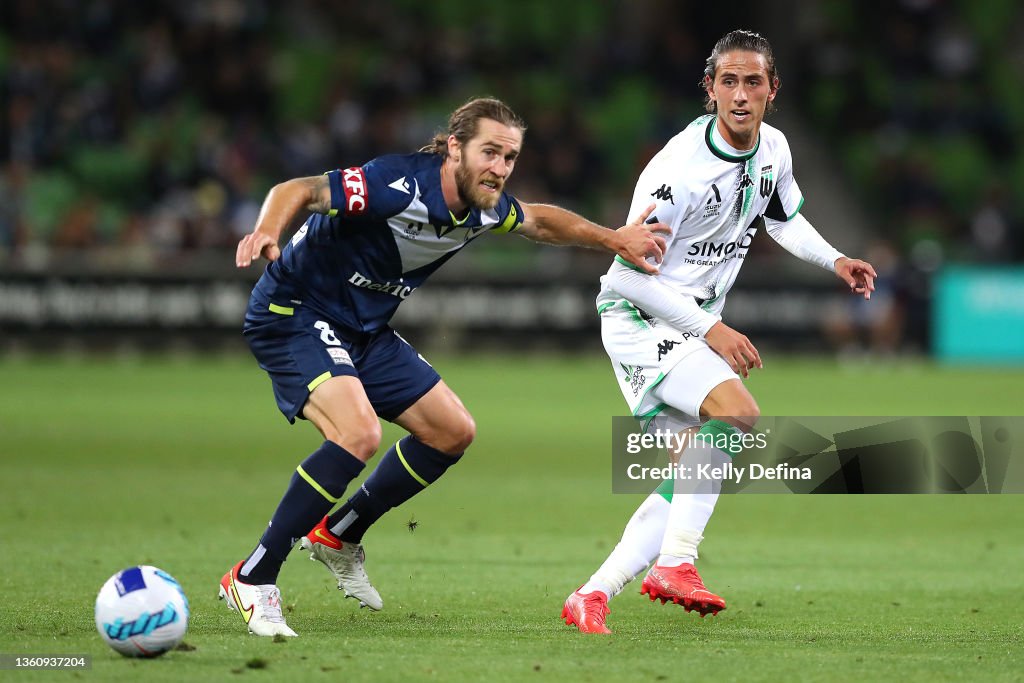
(315, 487)
(405, 470)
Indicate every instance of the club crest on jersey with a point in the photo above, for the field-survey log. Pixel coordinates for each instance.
(767, 181)
(354, 182)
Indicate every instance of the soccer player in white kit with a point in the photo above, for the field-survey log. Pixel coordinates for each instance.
(714, 184)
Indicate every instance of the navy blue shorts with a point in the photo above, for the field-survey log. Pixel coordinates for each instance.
(299, 349)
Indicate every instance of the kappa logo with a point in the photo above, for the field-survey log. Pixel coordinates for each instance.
(665, 346)
(767, 181)
(668, 344)
(745, 182)
(354, 182)
(664, 193)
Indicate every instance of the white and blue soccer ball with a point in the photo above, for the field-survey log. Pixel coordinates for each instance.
(142, 612)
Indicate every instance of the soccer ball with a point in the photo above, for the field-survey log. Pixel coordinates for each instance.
(142, 612)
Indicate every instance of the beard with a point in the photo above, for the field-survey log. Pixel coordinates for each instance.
(470, 192)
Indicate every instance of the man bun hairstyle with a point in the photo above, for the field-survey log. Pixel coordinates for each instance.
(742, 41)
(465, 121)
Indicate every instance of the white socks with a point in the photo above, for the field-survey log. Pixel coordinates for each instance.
(687, 518)
(647, 531)
(638, 547)
(676, 528)
(693, 498)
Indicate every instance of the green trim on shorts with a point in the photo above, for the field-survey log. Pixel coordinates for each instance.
(648, 417)
(606, 305)
(653, 412)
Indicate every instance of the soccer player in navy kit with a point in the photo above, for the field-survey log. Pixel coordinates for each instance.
(317, 322)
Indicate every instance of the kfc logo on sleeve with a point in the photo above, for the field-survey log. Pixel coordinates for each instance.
(354, 182)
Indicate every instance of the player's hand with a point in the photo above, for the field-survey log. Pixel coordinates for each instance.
(734, 347)
(639, 240)
(254, 245)
(860, 275)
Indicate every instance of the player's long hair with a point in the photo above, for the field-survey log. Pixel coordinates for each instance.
(463, 122)
(744, 41)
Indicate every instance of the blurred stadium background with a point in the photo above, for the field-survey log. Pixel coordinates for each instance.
(140, 138)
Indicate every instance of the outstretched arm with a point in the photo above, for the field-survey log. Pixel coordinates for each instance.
(282, 205)
(800, 238)
(634, 242)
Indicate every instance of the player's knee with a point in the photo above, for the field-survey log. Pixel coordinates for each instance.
(361, 439)
(742, 411)
(367, 441)
(458, 435)
(746, 411)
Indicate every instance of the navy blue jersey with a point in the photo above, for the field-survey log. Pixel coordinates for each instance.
(389, 229)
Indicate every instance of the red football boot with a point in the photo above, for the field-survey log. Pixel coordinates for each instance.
(587, 611)
(683, 586)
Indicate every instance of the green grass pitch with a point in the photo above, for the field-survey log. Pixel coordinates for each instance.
(180, 462)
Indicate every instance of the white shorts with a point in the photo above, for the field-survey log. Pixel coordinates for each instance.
(653, 362)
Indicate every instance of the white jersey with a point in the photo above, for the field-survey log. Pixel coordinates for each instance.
(714, 201)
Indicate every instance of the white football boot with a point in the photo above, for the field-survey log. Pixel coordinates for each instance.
(346, 562)
(259, 604)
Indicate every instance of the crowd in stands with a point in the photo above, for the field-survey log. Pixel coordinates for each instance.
(920, 100)
(150, 132)
(145, 135)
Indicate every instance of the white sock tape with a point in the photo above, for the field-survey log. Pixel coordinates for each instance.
(681, 543)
